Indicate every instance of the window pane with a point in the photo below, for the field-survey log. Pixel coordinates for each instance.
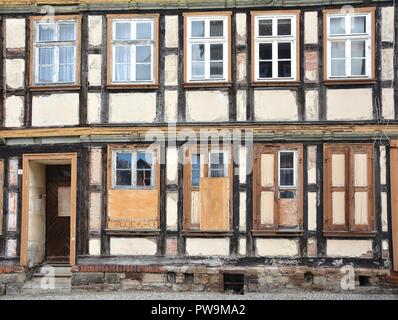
(46, 74)
(216, 52)
(358, 25)
(337, 25)
(284, 69)
(287, 178)
(195, 170)
(122, 54)
(338, 49)
(284, 51)
(216, 28)
(143, 72)
(265, 27)
(265, 51)
(287, 194)
(46, 56)
(123, 30)
(143, 54)
(216, 69)
(284, 27)
(286, 160)
(198, 52)
(358, 49)
(144, 30)
(66, 55)
(265, 70)
(198, 69)
(123, 63)
(338, 67)
(144, 160)
(358, 67)
(217, 164)
(123, 160)
(198, 29)
(46, 32)
(123, 177)
(144, 178)
(66, 32)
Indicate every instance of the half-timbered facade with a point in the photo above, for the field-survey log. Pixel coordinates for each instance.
(189, 145)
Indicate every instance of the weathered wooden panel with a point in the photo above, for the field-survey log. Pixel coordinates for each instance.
(361, 208)
(338, 207)
(338, 170)
(288, 212)
(267, 207)
(133, 208)
(267, 169)
(361, 170)
(1, 195)
(394, 201)
(214, 203)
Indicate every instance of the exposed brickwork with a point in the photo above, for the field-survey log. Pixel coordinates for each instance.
(311, 65)
(118, 268)
(11, 269)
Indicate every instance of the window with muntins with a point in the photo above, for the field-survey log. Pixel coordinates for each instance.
(55, 51)
(133, 169)
(349, 45)
(132, 50)
(275, 47)
(207, 48)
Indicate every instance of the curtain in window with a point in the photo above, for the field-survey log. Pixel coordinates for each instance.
(66, 64)
(122, 63)
(46, 64)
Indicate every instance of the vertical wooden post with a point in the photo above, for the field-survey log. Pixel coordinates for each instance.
(394, 200)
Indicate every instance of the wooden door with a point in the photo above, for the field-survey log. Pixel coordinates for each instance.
(58, 187)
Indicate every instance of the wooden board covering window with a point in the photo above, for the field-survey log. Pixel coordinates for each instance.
(348, 188)
(271, 212)
(212, 195)
(131, 208)
(1, 195)
(394, 201)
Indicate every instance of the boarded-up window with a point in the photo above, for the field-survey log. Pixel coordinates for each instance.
(133, 187)
(1, 195)
(277, 184)
(207, 188)
(348, 187)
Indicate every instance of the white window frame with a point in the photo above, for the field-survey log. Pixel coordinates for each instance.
(55, 45)
(274, 40)
(226, 162)
(295, 170)
(134, 43)
(207, 40)
(348, 38)
(133, 169)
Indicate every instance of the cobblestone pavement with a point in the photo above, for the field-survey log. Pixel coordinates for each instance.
(142, 295)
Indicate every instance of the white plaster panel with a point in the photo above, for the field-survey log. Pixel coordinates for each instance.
(94, 69)
(388, 103)
(132, 107)
(94, 30)
(95, 211)
(207, 106)
(243, 170)
(311, 105)
(349, 104)
(241, 105)
(55, 109)
(94, 107)
(207, 247)
(15, 33)
(171, 36)
(14, 111)
(387, 24)
(348, 248)
(311, 27)
(171, 210)
(384, 220)
(242, 246)
(172, 165)
(171, 70)
(383, 162)
(132, 246)
(242, 211)
(171, 105)
(311, 210)
(311, 166)
(387, 64)
(94, 247)
(277, 247)
(241, 32)
(15, 72)
(275, 105)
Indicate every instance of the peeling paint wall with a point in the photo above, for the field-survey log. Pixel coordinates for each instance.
(276, 247)
(207, 106)
(46, 110)
(349, 104)
(349, 248)
(132, 246)
(275, 105)
(132, 107)
(207, 247)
